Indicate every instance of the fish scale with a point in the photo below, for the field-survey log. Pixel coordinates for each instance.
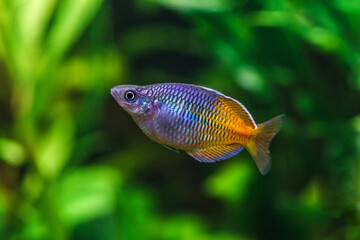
(205, 123)
(214, 123)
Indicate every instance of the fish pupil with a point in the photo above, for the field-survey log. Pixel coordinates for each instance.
(130, 96)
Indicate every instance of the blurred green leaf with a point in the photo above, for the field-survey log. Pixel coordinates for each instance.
(318, 35)
(231, 182)
(184, 227)
(34, 227)
(34, 18)
(311, 195)
(352, 6)
(55, 147)
(12, 152)
(324, 39)
(356, 123)
(71, 19)
(86, 194)
(3, 220)
(250, 79)
(136, 216)
(199, 5)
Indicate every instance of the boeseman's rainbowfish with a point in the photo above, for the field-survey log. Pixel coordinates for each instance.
(205, 123)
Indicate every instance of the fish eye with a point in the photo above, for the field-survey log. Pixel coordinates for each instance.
(130, 96)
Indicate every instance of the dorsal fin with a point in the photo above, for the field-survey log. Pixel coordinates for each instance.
(216, 153)
(239, 109)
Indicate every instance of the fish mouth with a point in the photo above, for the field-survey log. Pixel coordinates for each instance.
(115, 93)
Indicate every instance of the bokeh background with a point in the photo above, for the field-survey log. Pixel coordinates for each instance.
(73, 164)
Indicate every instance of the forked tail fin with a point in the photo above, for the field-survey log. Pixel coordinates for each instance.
(258, 146)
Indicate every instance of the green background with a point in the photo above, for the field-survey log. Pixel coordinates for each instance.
(73, 164)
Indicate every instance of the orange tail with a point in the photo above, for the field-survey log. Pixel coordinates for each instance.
(258, 146)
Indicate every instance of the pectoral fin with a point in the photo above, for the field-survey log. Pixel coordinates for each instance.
(171, 148)
(217, 153)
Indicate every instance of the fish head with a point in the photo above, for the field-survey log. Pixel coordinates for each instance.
(133, 99)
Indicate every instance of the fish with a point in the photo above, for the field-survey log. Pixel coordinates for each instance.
(203, 122)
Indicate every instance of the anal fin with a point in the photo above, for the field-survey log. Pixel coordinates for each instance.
(216, 153)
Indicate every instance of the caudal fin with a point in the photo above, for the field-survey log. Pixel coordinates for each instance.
(258, 146)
